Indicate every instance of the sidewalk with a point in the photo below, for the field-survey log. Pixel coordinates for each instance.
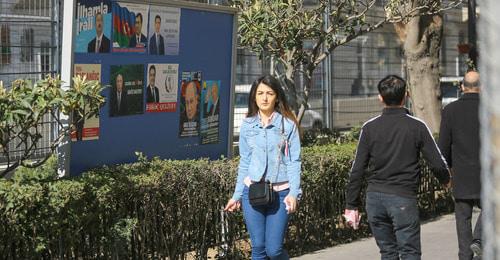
(438, 236)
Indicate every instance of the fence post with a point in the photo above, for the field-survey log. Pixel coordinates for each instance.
(489, 25)
(63, 151)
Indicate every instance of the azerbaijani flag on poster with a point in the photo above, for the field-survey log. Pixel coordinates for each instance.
(122, 21)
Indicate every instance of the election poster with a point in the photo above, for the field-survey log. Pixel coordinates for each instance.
(93, 26)
(126, 94)
(130, 25)
(189, 123)
(209, 123)
(161, 89)
(86, 129)
(164, 28)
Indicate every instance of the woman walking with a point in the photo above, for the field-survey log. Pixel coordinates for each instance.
(269, 164)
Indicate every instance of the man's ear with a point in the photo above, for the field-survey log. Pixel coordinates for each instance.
(380, 98)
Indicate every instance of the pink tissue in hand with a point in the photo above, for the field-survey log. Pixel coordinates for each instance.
(352, 217)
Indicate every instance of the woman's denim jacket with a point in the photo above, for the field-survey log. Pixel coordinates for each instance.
(260, 149)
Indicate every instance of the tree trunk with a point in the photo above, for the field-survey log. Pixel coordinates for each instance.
(308, 74)
(422, 44)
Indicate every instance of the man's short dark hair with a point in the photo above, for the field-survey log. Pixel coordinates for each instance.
(157, 17)
(139, 15)
(392, 89)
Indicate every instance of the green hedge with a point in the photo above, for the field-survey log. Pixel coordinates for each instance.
(162, 208)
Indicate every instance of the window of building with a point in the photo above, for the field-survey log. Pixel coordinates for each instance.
(5, 48)
(45, 57)
(27, 43)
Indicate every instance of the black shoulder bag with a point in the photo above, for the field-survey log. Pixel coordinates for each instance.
(261, 193)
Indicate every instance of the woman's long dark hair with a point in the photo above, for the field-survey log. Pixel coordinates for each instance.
(281, 103)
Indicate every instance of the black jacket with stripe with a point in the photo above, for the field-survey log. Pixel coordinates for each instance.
(389, 150)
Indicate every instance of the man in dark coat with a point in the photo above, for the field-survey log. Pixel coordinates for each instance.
(459, 142)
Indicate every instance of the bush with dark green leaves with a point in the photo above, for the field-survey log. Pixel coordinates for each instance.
(155, 209)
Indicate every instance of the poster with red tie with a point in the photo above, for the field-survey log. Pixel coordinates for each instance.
(161, 88)
(93, 26)
(86, 128)
(130, 27)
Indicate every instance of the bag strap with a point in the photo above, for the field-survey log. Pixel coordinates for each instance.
(283, 140)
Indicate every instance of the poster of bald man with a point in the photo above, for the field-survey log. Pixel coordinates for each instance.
(189, 123)
(190, 107)
(209, 123)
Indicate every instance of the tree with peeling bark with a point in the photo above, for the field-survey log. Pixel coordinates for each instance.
(421, 37)
(299, 36)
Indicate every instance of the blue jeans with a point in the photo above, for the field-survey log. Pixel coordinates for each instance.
(395, 224)
(267, 226)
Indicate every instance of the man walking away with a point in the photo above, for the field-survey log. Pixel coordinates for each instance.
(390, 146)
(459, 142)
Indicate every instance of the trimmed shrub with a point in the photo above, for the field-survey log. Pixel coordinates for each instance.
(163, 208)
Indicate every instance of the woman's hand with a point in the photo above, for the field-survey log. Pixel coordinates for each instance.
(232, 205)
(291, 204)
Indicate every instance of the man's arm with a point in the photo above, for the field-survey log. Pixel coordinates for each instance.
(445, 137)
(357, 171)
(433, 156)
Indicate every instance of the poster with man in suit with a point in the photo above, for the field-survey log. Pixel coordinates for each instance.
(130, 27)
(93, 26)
(162, 85)
(127, 89)
(163, 35)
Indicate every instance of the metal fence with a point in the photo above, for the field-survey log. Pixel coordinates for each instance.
(356, 68)
(29, 47)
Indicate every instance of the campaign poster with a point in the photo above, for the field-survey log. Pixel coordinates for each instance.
(93, 26)
(126, 94)
(86, 129)
(209, 123)
(164, 28)
(161, 89)
(130, 25)
(189, 123)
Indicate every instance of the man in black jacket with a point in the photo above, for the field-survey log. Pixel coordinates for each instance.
(459, 142)
(389, 149)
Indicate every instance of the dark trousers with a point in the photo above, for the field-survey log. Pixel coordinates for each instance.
(395, 224)
(463, 216)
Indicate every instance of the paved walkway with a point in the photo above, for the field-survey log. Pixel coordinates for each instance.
(438, 236)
